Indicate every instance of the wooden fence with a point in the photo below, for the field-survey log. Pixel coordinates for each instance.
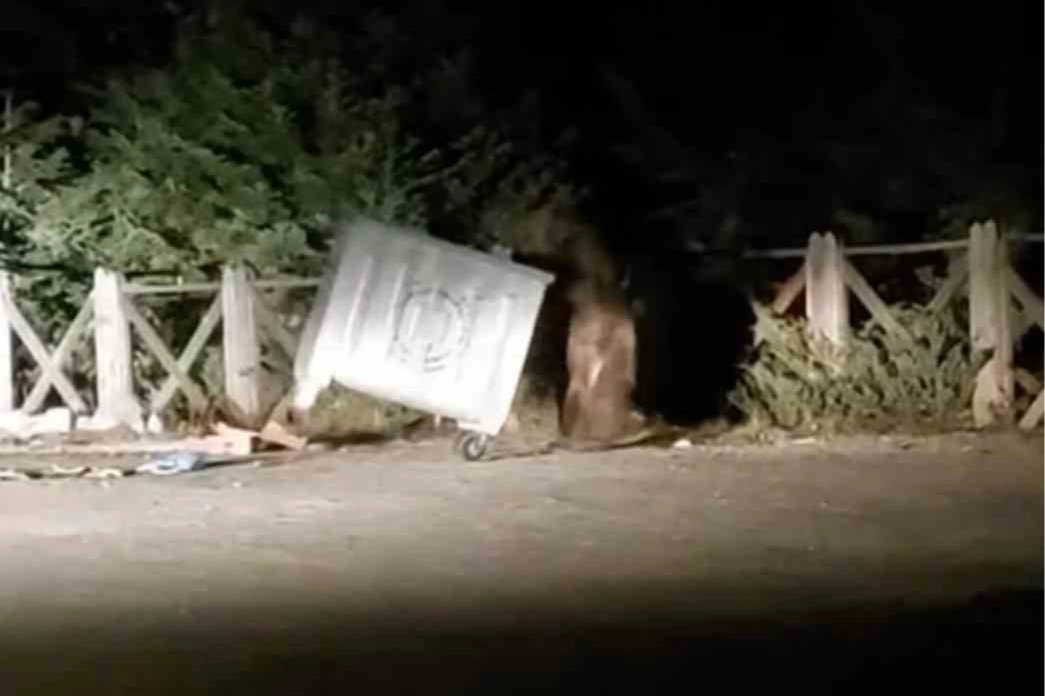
(246, 321)
(826, 275)
(1001, 306)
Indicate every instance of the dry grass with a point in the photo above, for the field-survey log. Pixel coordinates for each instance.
(340, 412)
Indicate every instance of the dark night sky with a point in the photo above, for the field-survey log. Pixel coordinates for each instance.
(683, 84)
(744, 63)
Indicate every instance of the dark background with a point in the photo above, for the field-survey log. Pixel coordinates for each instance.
(894, 109)
(719, 125)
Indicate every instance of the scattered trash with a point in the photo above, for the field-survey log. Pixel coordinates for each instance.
(51, 421)
(12, 475)
(683, 443)
(57, 471)
(105, 473)
(174, 463)
(276, 434)
(162, 464)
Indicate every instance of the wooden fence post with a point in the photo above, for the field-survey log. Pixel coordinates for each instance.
(112, 354)
(827, 304)
(7, 398)
(240, 344)
(990, 324)
(983, 282)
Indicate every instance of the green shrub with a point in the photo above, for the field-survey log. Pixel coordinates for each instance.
(245, 147)
(794, 381)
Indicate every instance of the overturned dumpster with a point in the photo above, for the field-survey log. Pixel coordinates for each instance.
(418, 321)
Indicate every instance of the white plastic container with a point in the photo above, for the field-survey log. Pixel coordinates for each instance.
(408, 318)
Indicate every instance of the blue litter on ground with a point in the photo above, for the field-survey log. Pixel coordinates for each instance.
(174, 463)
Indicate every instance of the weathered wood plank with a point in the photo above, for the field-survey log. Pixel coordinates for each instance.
(1021, 322)
(172, 289)
(287, 283)
(187, 288)
(1003, 341)
(188, 356)
(1034, 413)
(25, 425)
(957, 274)
(983, 279)
(875, 305)
(1033, 307)
(1032, 312)
(995, 384)
(270, 325)
(38, 351)
(789, 291)
(240, 342)
(114, 376)
(827, 305)
(885, 249)
(155, 345)
(866, 250)
(36, 396)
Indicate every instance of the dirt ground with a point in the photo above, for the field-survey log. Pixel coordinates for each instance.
(402, 568)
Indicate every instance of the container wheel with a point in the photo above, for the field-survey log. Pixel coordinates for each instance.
(473, 445)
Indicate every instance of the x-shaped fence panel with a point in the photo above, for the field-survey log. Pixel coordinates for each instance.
(270, 329)
(50, 363)
(177, 368)
(262, 322)
(974, 267)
